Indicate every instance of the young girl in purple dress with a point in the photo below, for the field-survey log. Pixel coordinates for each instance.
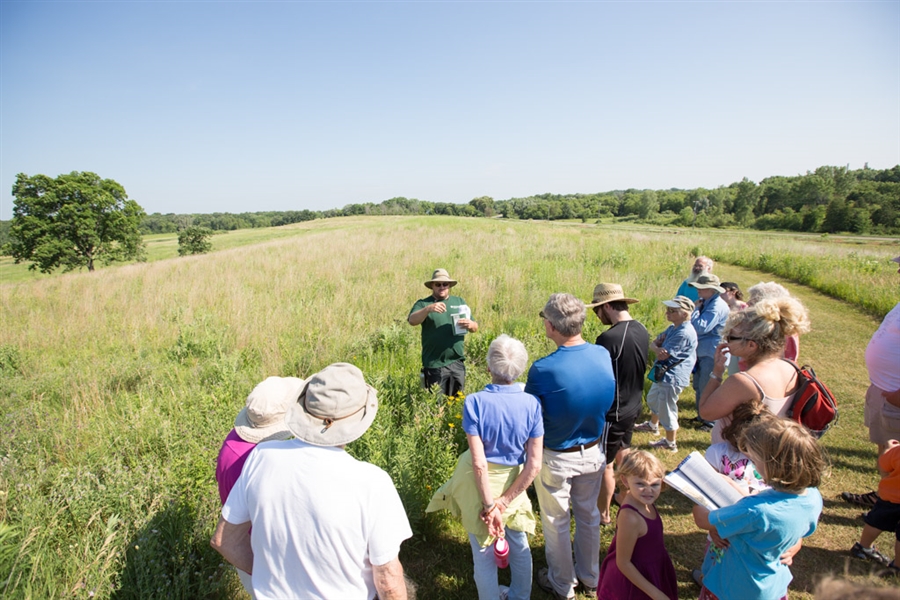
(637, 565)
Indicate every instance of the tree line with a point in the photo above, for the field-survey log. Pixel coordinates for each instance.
(76, 219)
(827, 200)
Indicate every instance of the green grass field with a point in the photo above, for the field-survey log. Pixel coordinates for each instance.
(117, 387)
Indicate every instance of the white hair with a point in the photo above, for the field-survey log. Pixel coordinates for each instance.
(507, 358)
(766, 291)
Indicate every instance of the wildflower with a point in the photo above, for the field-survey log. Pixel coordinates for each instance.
(451, 425)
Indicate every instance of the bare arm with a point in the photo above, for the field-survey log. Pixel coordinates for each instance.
(418, 317)
(233, 543)
(389, 581)
(469, 324)
(480, 468)
(629, 527)
(720, 398)
(701, 518)
(788, 557)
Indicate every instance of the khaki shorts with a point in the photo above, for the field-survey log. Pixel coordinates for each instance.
(881, 417)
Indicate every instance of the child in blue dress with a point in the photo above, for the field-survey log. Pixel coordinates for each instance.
(757, 530)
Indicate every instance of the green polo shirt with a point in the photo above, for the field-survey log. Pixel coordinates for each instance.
(440, 345)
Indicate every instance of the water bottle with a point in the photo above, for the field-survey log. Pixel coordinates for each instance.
(501, 552)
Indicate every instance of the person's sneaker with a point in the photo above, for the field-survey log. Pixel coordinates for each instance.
(504, 592)
(869, 554)
(647, 426)
(543, 581)
(664, 444)
(705, 427)
(891, 571)
(868, 499)
(585, 590)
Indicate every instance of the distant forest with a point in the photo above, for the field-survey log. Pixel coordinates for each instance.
(827, 200)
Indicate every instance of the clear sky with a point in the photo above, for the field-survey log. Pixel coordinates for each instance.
(247, 106)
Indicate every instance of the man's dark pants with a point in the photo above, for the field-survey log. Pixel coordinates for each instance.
(451, 378)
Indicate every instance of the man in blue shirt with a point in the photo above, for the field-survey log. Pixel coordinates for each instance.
(702, 266)
(576, 387)
(708, 320)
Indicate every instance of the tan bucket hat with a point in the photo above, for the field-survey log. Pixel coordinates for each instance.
(682, 302)
(708, 282)
(440, 275)
(262, 419)
(608, 292)
(335, 408)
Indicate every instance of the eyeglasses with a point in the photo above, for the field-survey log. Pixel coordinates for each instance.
(734, 338)
(440, 284)
(668, 310)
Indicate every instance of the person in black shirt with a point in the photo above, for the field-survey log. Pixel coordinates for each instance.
(628, 344)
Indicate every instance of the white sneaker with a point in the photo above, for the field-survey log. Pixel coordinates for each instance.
(504, 592)
(647, 426)
(664, 444)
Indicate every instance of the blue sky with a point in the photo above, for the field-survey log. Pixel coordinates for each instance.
(245, 106)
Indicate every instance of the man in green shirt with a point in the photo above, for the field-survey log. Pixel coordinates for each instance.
(445, 319)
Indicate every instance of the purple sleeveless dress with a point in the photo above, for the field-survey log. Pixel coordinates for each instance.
(650, 557)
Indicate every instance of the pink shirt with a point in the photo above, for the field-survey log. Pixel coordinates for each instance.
(231, 460)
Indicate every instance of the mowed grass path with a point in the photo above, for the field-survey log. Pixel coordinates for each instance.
(117, 387)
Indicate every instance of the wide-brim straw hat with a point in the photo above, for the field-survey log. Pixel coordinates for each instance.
(334, 408)
(262, 419)
(708, 282)
(440, 275)
(682, 302)
(609, 292)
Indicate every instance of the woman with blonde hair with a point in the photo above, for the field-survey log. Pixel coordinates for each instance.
(757, 336)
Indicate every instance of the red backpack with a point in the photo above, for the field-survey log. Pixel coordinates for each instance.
(813, 404)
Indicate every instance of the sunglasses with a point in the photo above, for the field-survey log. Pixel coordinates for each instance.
(734, 338)
(440, 285)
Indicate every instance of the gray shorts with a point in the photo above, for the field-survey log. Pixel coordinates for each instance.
(881, 417)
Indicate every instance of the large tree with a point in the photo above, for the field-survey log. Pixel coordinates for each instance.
(73, 220)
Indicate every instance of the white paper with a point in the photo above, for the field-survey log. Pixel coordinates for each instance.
(696, 479)
(463, 312)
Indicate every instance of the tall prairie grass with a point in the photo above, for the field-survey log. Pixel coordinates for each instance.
(117, 387)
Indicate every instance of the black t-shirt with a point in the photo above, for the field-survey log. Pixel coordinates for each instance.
(628, 343)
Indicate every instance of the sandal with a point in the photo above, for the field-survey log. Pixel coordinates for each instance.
(866, 500)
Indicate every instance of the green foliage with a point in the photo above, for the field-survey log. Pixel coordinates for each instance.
(73, 220)
(194, 240)
(10, 360)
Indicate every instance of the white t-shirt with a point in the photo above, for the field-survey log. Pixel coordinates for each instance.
(320, 520)
(883, 353)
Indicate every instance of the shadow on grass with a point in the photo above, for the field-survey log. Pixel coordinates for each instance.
(171, 558)
(812, 564)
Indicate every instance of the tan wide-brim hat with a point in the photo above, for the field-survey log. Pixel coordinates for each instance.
(682, 302)
(609, 292)
(440, 275)
(708, 282)
(262, 419)
(334, 408)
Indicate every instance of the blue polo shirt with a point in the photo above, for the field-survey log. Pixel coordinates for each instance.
(708, 322)
(576, 387)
